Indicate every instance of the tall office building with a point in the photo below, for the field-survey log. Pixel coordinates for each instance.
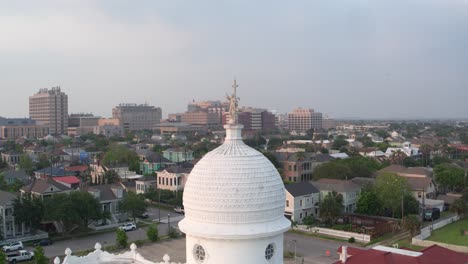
(301, 120)
(253, 119)
(134, 117)
(50, 107)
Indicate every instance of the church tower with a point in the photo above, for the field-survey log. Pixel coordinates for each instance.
(234, 203)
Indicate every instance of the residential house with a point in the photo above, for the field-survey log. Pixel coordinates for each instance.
(8, 226)
(348, 190)
(12, 176)
(153, 163)
(419, 178)
(178, 154)
(12, 157)
(52, 172)
(407, 149)
(72, 182)
(44, 188)
(173, 178)
(109, 196)
(79, 170)
(145, 183)
(299, 167)
(302, 200)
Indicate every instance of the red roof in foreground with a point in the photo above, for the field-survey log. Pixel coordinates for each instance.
(430, 255)
(68, 179)
(79, 168)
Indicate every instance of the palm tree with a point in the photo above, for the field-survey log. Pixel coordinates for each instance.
(412, 224)
(397, 157)
(459, 207)
(426, 151)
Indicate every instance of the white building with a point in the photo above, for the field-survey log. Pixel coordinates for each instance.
(302, 200)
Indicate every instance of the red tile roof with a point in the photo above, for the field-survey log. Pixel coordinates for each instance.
(430, 255)
(68, 179)
(80, 168)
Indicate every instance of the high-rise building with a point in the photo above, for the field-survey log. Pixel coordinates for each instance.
(301, 120)
(50, 107)
(253, 119)
(134, 117)
(207, 119)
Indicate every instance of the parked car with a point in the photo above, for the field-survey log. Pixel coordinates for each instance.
(144, 215)
(43, 242)
(432, 214)
(13, 246)
(179, 210)
(128, 227)
(21, 255)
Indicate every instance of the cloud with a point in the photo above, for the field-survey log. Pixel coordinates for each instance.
(93, 34)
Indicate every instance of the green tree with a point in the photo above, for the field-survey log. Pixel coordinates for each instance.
(459, 207)
(26, 164)
(412, 224)
(133, 204)
(332, 170)
(39, 256)
(111, 176)
(2, 257)
(118, 154)
(308, 221)
(87, 208)
(29, 210)
(450, 176)
(152, 233)
(58, 208)
(369, 202)
(331, 208)
(121, 238)
(391, 190)
(339, 142)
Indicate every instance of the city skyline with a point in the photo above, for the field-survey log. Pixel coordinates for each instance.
(355, 59)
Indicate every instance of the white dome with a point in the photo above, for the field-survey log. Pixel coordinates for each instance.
(234, 191)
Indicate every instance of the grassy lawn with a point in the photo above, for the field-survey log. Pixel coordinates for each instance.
(451, 234)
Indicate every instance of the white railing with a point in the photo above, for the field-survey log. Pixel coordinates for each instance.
(40, 235)
(335, 233)
(426, 232)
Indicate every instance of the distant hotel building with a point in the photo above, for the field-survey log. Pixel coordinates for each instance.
(205, 113)
(12, 128)
(329, 123)
(254, 119)
(82, 124)
(301, 120)
(134, 117)
(50, 107)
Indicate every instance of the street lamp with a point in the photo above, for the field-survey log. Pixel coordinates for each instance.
(159, 205)
(168, 223)
(295, 259)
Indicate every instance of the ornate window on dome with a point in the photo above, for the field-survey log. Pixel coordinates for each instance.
(199, 253)
(269, 251)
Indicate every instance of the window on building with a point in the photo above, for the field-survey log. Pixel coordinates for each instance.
(289, 168)
(287, 203)
(269, 251)
(300, 202)
(199, 253)
(300, 215)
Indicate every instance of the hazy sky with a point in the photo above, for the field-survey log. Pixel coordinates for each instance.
(347, 58)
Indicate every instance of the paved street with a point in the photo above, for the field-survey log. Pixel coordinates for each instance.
(106, 239)
(311, 249)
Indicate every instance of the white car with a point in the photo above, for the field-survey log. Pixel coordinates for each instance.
(13, 246)
(128, 227)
